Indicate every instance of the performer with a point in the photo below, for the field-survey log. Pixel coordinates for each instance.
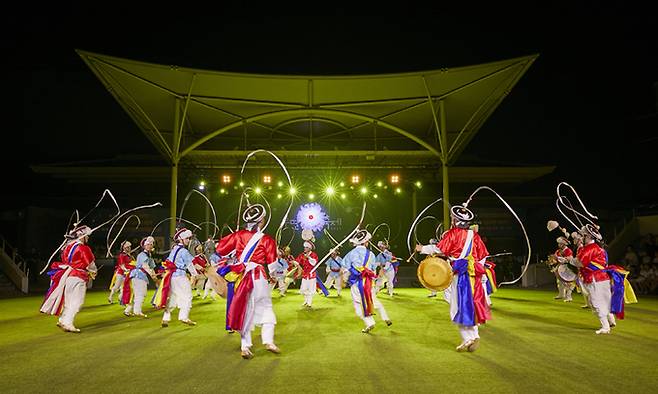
(466, 252)
(120, 270)
(139, 276)
(252, 302)
(278, 270)
(362, 264)
(389, 268)
(564, 288)
(334, 272)
(593, 266)
(200, 263)
(215, 262)
(307, 260)
(175, 290)
(580, 284)
(69, 279)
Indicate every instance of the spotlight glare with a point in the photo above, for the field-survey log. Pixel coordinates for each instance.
(364, 190)
(226, 179)
(279, 184)
(379, 184)
(222, 191)
(311, 196)
(395, 179)
(241, 184)
(293, 191)
(330, 191)
(375, 195)
(418, 184)
(279, 195)
(356, 179)
(258, 190)
(267, 179)
(398, 190)
(342, 184)
(343, 196)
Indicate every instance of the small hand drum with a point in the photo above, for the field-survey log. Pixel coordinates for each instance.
(435, 273)
(565, 273)
(216, 282)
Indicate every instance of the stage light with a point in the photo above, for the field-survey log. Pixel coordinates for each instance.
(258, 190)
(398, 190)
(202, 185)
(311, 196)
(379, 184)
(279, 184)
(226, 179)
(241, 184)
(356, 179)
(418, 184)
(329, 191)
(279, 195)
(364, 190)
(222, 191)
(267, 179)
(343, 196)
(293, 191)
(375, 195)
(395, 179)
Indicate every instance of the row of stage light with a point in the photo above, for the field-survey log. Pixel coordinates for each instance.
(329, 190)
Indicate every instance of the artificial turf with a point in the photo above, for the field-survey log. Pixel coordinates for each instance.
(533, 343)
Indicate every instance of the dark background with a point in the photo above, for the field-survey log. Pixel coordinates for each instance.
(587, 105)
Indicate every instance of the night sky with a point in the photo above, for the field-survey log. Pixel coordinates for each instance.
(587, 105)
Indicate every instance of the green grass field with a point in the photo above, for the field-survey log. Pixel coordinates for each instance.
(533, 343)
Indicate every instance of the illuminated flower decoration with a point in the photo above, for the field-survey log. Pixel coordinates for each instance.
(312, 217)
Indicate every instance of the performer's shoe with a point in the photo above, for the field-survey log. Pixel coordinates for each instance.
(388, 323)
(463, 347)
(557, 297)
(128, 314)
(165, 323)
(230, 332)
(602, 331)
(368, 329)
(431, 296)
(60, 325)
(140, 315)
(475, 343)
(71, 329)
(585, 306)
(109, 300)
(568, 300)
(188, 322)
(270, 347)
(247, 354)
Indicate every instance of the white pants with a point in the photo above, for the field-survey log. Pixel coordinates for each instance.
(387, 277)
(139, 293)
(180, 297)
(118, 287)
(585, 291)
(565, 289)
(487, 297)
(468, 332)
(308, 289)
(600, 296)
(74, 296)
(259, 313)
(356, 300)
(281, 282)
(335, 280)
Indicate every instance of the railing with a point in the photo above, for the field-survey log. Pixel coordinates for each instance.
(15, 266)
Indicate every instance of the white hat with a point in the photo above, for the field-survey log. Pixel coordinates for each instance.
(562, 240)
(462, 215)
(183, 233)
(254, 213)
(592, 231)
(79, 232)
(309, 244)
(124, 243)
(361, 237)
(382, 244)
(147, 241)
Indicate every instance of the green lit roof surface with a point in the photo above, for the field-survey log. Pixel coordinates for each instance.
(361, 120)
